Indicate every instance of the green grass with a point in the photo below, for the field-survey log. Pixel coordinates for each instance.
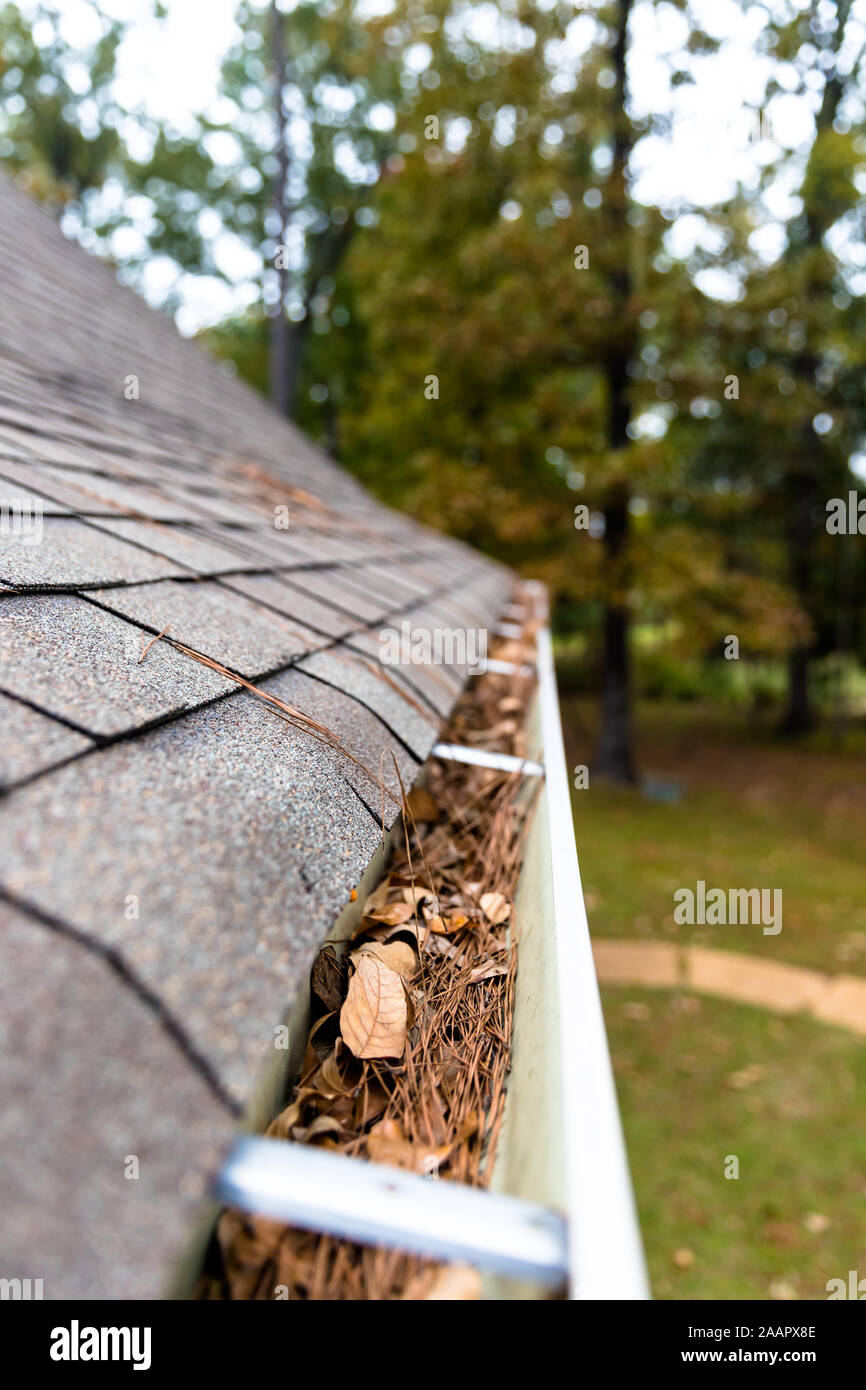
(701, 1079)
(753, 813)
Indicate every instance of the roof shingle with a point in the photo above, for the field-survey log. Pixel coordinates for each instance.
(172, 850)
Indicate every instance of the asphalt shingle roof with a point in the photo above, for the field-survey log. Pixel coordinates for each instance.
(172, 851)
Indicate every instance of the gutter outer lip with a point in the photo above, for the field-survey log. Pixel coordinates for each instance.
(597, 1247)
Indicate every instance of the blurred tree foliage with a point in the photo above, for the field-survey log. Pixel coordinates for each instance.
(59, 120)
(796, 341)
(482, 319)
(512, 263)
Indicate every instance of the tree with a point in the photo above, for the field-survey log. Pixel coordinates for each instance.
(59, 118)
(797, 345)
(298, 183)
(530, 344)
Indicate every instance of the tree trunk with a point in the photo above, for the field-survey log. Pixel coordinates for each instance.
(806, 491)
(280, 354)
(296, 342)
(798, 716)
(614, 759)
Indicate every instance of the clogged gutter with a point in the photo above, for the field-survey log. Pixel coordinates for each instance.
(409, 1045)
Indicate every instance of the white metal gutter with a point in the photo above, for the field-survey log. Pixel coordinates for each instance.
(606, 1257)
(593, 1246)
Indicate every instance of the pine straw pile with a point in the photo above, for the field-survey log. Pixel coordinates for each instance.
(409, 1046)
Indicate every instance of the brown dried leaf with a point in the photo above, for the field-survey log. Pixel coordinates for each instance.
(495, 908)
(437, 925)
(447, 948)
(322, 1126)
(371, 1101)
(394, 915)
(418, 895)
(397, 955)
(378, 899)
(487, 972)
(373, 1018)
(330, 1077)
(408, 933)
(328, 979)
(386, 1143)
(422, 805)
(282, 1126)
(446, 926)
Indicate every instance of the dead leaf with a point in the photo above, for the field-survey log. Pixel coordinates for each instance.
(437, 925)
(330, 1076)
(328, 979)
(394, 915)
(370, 1102)
(282, 1126)
(408, 932)
(495, 908)
(378, 899)
(386, 1143)
(447, 948)
(487, 972)
(748, 1076)
(509, 704)
(373, 1018)
(422, 805)
(419, 895)
(397, 955)
(321, 1128)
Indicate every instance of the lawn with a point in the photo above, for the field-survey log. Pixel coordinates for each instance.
(700, 1079)
(751, 813)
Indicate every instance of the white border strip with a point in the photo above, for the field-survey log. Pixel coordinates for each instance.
(379, 1205)
(605, 1251)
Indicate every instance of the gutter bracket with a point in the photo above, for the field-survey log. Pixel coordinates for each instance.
(482, 757)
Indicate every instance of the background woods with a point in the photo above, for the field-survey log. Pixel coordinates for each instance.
(426, 229)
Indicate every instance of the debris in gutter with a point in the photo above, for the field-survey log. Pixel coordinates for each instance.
(409, 1045)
